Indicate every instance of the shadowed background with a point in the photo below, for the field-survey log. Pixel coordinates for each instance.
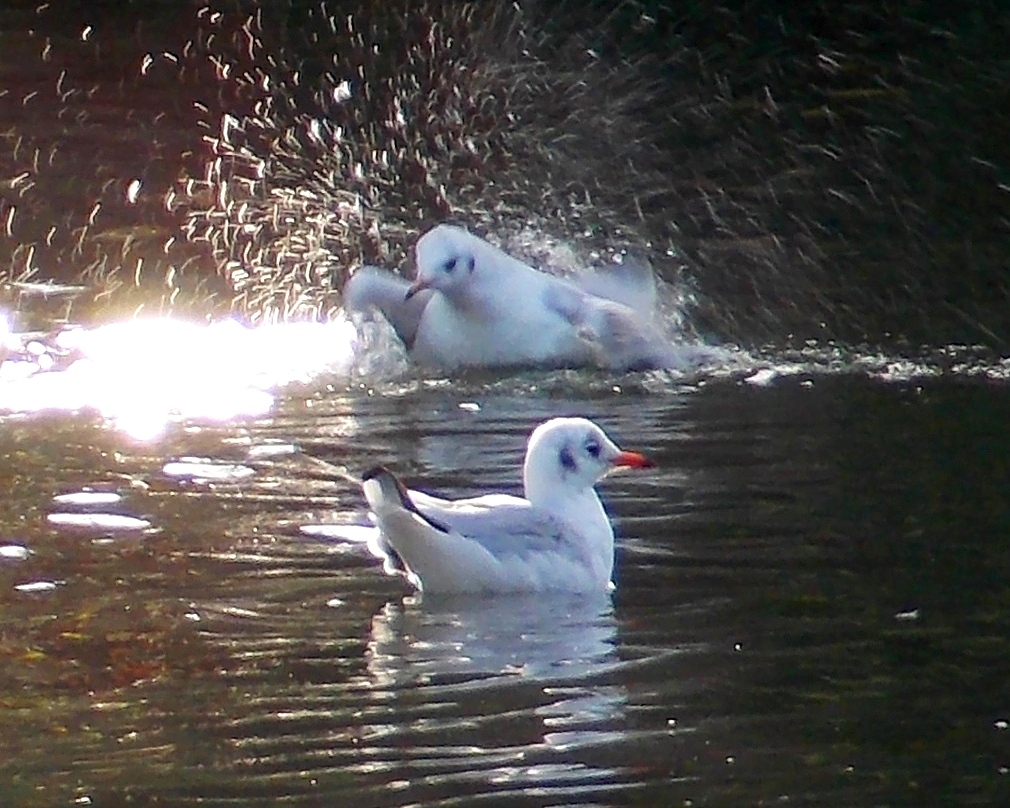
(835, 171)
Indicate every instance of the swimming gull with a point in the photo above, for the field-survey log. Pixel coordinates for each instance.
(556, 538)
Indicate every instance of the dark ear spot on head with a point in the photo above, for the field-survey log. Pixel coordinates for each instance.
(566, 459)
(470, 263)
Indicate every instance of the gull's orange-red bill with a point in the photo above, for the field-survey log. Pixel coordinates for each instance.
(633, 460)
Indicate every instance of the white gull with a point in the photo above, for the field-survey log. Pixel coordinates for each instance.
(472, 305)
(556, 538)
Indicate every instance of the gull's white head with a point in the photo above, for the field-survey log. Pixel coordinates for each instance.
(449, 259)
(571, 454)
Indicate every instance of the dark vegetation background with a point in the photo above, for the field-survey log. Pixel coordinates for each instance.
(815, 170)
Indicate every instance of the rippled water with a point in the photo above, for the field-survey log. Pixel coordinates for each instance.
(811, 606)
(813, 602)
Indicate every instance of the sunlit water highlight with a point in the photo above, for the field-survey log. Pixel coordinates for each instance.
(143, 374)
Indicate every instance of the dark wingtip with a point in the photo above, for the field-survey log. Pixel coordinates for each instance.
(405, 500)
(376, 472)
(373, 472)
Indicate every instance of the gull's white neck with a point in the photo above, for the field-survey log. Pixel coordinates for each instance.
(476, 300)
(584, 506)
(580, 507)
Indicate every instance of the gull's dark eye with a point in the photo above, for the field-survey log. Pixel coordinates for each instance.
(593, 448)
(449, 265)
(470, 263)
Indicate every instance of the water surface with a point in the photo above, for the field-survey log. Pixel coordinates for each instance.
(811, 605)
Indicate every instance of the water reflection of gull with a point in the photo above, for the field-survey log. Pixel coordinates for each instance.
(503, 696)
(533, 638)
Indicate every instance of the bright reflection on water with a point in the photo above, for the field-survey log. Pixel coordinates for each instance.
(143, 374)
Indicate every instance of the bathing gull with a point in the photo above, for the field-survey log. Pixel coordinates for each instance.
(556, 538)
(472, 305)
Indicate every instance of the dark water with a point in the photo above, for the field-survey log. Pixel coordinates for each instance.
(812, 607)
(813, 602)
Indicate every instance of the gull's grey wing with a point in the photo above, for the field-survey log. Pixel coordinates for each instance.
(631, 283)
(565, 300)
(374, 287)
(503, 528)
(615, 334)
(621, 339)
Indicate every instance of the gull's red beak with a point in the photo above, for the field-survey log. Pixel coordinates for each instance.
(417, 286)
(633, 460)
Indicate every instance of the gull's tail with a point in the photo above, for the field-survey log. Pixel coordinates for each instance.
(409, 542)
